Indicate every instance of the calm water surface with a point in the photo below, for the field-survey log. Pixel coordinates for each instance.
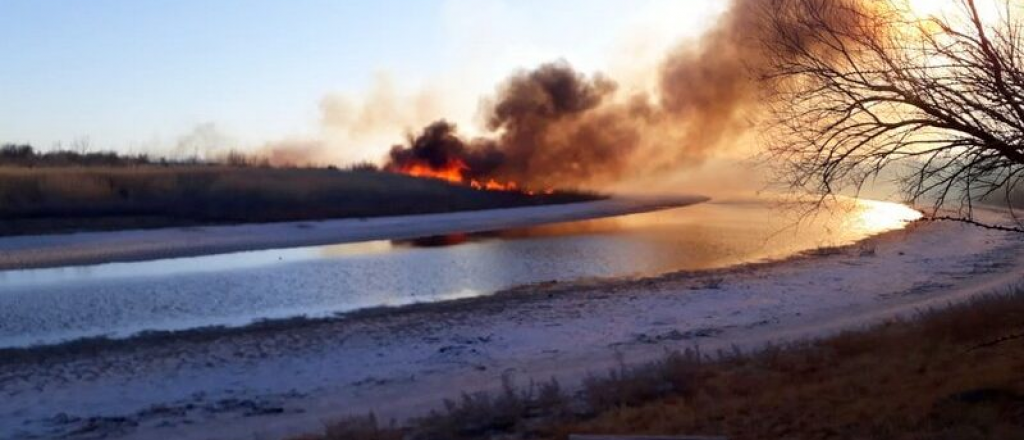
(51, 305)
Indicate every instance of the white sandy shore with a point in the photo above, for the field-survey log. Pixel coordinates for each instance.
(23, 252)
(264, 385)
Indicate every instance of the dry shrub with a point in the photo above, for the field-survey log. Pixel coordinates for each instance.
(630, 386)
(358, 428)
(477, 415)
(948, 374)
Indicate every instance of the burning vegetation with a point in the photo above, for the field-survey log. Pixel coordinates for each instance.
(438, 153)
(555, 127)
(549, 127)
(536, 125)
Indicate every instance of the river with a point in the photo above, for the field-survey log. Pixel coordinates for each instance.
(45, 306)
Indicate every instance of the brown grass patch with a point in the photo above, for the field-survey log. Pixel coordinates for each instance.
(55, 199)
(956, 373)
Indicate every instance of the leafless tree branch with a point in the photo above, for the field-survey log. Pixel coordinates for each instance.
(860, 87)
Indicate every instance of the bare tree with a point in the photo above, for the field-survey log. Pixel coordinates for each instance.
(864, 88)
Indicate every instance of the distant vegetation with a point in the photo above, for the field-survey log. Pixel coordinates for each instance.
(70, 191)
(24, 155)
(951, 374)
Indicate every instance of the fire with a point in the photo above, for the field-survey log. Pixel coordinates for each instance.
(454, 172)
(451, 172)
(494, 185)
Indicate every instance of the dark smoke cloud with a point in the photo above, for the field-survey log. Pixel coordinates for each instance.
(554, 126)
(439, 147)
(552, 129)
(549, 126)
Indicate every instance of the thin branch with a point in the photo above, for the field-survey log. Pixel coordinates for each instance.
(973, 222)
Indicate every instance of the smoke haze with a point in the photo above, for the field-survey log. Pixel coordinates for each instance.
(554, 126)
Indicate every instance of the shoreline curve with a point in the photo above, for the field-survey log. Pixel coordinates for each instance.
(92, 248)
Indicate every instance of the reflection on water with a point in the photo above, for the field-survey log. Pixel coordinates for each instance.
(347, 249)
(715, 235)
(881, 216)
(48, 305)
(439, 240)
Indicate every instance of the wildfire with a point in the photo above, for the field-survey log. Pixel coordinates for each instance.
(494, 185)
(451, 173)
(454, 171)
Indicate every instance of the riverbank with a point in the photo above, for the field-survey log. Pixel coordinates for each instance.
(25, 252)
(950, 373)
(401, 362)
(93, 197)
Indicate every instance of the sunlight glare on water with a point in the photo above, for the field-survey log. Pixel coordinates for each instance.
(50, 305)
(874, 216)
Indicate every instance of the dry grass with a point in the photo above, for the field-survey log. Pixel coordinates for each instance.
(951, 374)
(901, 381)
(39, 200)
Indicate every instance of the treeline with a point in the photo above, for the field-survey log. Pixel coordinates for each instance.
(24, 155)
(36, 200)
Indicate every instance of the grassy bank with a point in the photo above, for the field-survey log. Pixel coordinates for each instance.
(949, 374)
(55, 199)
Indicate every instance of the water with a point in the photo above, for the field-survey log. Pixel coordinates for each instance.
(51, 305)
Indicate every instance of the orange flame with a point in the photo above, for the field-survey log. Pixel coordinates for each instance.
(451, 173)
(494, 185)
(454, 171)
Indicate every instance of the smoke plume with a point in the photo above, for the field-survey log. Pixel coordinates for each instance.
(554, 126)
(440, 148)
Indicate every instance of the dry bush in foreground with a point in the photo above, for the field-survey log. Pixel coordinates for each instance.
(949, 374)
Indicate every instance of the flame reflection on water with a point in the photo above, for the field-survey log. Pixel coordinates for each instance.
(234, 289)
(785, 226)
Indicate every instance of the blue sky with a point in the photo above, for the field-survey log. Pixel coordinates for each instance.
(130, 73)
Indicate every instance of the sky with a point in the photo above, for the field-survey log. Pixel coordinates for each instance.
(134, 75)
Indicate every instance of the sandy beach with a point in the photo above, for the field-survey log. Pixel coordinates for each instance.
(291, 378)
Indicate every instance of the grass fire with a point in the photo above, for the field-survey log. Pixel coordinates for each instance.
(438, 153)
(500, 219)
